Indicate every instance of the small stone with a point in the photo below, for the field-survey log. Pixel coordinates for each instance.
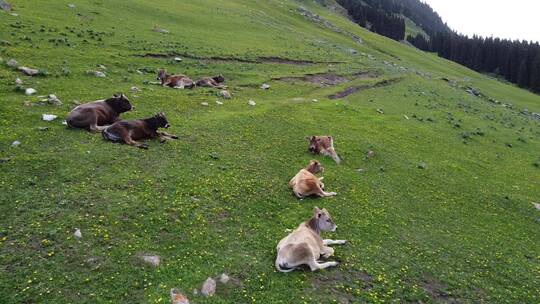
(153, 260)
(4, 160)
(29, 71)
(406, 117)
(370, 154)
(15, 143)
(209, 287)
(219, 102)
(12, 63)
(161, 30)
(205, 104)
(422, 166)
(96, 73)
(77, 233)
(48, 117)
(5, 6)
(195, 291)
(225, 94)
(224, 278)
(380, 111)
(101, 66)
(177, 59)
(30, 91)
(177, 297)
(537, 206)
(315, 100)
(135, 89)
(252, 103)
(52, 99)
(265, 86)
(361, 170)
(71, 5)
(43, 128)
(18, 81)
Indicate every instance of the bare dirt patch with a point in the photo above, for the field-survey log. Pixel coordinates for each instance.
(437, 290)
(275, 60)
(331, 279)
(327, 79)
(351, 90)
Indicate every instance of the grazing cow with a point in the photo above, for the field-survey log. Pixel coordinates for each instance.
(96, 116)
(305, 245)
(212, 82)
(175, 81)
(129, 131)
(323, 145)
(305, 183)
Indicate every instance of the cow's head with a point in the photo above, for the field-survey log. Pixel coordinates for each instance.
(161, 120)
(314, 145)
(315, 167)
(324, 220)
(120, 103)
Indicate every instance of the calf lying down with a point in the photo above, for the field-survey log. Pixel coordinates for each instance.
(97, 115)
(129, 131)
(323, 145)
(304, 246)
(175, 81)
(211, 82)
(306, 183)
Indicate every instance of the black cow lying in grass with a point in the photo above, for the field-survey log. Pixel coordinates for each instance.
(211, 82)
(97, 115)
(129, 131)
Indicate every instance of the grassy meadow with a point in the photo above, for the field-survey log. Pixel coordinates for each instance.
(441, 213)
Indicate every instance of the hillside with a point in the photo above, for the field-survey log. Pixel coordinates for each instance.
(438, 212)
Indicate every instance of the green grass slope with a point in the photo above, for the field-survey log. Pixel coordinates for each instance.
(460, 229)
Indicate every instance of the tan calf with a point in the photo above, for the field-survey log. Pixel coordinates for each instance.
(323, 145)
(175, 81)
(304, 246)
(306, 183)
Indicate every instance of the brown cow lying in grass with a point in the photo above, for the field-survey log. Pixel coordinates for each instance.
(305, 245)
(305, 183)
(212, 82)
(175, 81)
(129, 131)
(98, 115)
(323, 145)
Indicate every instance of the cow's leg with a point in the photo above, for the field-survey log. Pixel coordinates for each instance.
(95, 128)
(126, 137)
(165, 134)
(327, 252)
(315, 265)
(334, 242)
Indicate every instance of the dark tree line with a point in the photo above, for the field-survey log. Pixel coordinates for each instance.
(517, 61)
(375, 19)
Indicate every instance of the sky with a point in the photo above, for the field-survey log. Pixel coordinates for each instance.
(511, 19)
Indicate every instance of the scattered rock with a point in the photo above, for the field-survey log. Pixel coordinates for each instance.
(43, 128)
(204, 104)
(5, 6)
(96, 73)
(53, 100)
(225, 94)
(48, 117)
(265, 86)
(219, 102)
(360, 170)
(177, 297)
(4, 160)
(195, 291)
(30, 91)
(135, 89)
(101, 66)
(537, 206)
(209, 287)
(370, 154)
(315, 100)
(29, 71)
(18, 81)
(251, 102)
(160, 30)
(224, 278)
(214, 155)
(12, 63)
(15, 143)
(71, 5)
(177, 59)
(380, 111)
(422, 166)
(77, 233)
(406, 117)
(152, 260)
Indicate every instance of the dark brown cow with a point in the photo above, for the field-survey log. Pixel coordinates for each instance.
(323, 145)
(175, 81)
(129, 131)
(98, 115)
(212, 82)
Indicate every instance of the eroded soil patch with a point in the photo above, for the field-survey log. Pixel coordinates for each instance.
(330, 281)
(351, 90)
(327, 79)
(276, 60)
(437, 290)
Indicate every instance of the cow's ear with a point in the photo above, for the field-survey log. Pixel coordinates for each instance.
(317, 211)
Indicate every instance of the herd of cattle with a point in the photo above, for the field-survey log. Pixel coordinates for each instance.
(304, 246)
